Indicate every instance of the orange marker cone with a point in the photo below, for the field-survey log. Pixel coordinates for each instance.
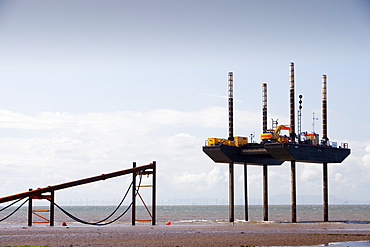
(64, 224)
(168, 223)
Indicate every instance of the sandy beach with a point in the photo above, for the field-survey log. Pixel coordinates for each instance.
(226, 234)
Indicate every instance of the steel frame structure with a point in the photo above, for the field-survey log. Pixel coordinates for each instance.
(49, 192)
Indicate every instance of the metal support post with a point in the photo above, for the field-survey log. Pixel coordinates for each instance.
(231, 192)
(324, 112)
(231, 106)
(154, 196)
(292, 107)
(231, 138)
(133, 207)
(264, 129)
(52, 207)
(265, 194)
(293, 140)
(30, 210)
(325, 192)
(264, 107)
(293, 192)
(246, 191)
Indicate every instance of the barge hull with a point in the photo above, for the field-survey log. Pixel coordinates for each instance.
(307, 153)
(255, 155)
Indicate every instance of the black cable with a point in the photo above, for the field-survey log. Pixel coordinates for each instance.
(98, 223)
(11, 204)
(119, 205)
(15, 209)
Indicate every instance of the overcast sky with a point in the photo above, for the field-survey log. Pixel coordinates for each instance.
(88, 87)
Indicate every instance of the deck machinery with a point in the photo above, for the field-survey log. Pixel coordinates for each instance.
(275, 148)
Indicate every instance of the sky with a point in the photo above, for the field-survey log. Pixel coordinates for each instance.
(89, 87)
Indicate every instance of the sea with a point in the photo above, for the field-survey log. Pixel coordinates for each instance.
(186, 214)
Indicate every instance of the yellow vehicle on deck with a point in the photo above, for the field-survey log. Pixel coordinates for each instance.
(238, 141)
(273, 135)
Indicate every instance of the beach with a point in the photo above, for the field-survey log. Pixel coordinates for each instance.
(225, 234)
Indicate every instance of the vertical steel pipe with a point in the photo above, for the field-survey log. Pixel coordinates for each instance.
(30, 210)
(264, 107)
(246, 191)
(265, 168)
(133, 207)
(324, 112)
(231, 106)
(292, 105)
(325, 140)
(154, 194)
(265, 194)
(231, 138)
(52, 200)
(231, 192)
(325, 192)
(293, 194)
(292, 137)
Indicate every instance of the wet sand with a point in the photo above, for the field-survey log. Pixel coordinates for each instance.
(227, 234)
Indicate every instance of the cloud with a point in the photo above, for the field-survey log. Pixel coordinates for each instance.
(218, 96)
(49, 148)
(366, 157)
(204, 181)
(339, 177)
(310, 172)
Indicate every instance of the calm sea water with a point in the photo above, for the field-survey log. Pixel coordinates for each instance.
(196, 214)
